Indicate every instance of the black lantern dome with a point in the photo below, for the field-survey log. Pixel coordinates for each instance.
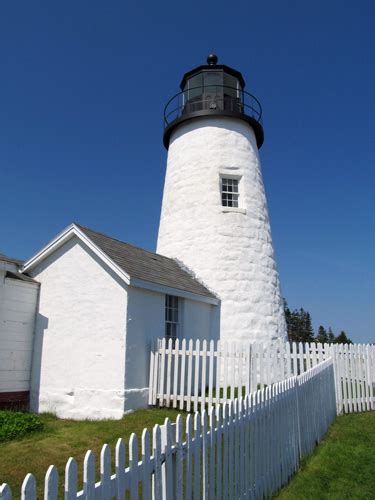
(213, 90)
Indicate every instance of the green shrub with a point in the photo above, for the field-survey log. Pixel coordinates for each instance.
(15, 424)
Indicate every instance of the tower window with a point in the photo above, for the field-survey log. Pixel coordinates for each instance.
(229, 192)
(171, 317)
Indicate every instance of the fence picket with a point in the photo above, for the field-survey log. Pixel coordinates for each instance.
(211, 362)
(232, 364)
(212, 446)
(157, 486)
(120, 469)
(189, 457)
(5, 492)
(28, 488)
(169, 372)
(205, 453)
(348, 380)
(182, 374)
(153, 355)
(197, 455)
(230, 448)
(219, 453)
(190, 363)
(146, 466)
(178, 489)
(218, 372)
(225, 371)
(204, 373)
(225, 468)
(71, 473)
(89, 476)
(261, 366)
(156, 361)
(133, 466)
(196, 375)
(162, 369)
(167, 466)
(367, 379)
(355, 379)
(175, 372)
(363, 377)
(105, 472)
(51, 483)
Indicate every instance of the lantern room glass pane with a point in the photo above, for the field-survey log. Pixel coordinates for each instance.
(212, 79)
(194, 87)
(231, 85)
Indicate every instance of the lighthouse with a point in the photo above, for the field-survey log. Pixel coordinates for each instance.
(214, 218)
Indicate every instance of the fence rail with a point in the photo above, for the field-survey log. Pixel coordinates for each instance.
(191, 375)
(247, 448)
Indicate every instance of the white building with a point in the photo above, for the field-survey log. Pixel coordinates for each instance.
(78, 319)
(18, 302)
(102, 303)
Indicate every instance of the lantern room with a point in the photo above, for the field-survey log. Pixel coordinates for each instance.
(213, 89)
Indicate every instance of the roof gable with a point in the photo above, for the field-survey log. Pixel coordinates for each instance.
(134, 265)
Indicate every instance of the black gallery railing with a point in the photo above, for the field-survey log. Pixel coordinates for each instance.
(214, 98)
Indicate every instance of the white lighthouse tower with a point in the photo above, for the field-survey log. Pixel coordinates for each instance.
(214, 216)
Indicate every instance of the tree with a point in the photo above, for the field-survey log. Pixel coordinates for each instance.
(300, 329)
(288, 314)
(322, 336)
(299, 325)
(331, 336)
(343, 338)
(307, 328)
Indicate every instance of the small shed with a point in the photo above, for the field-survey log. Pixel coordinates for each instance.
(102, 304)
(18, 301)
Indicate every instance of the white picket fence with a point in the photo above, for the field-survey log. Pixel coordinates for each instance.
(198, 374)
(248, 448)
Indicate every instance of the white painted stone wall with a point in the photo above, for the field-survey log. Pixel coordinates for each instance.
(79, 349)
(17, 315)
(229, 250)
(146, 324)
(200, 321)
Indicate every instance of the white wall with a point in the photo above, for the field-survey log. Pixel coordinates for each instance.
(200, 320)
(79, 350)
(17, 315)
(146, 324)
(229, 250)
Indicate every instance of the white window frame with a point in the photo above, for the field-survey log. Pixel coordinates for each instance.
(238, 209)
(235, 194)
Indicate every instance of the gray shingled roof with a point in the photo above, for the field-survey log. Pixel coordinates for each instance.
(148, 266)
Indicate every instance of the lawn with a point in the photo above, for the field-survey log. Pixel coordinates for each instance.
(62, 439)
(343, 465)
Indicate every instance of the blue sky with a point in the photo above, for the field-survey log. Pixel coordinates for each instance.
(83, 86)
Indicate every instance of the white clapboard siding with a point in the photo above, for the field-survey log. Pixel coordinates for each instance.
(247, 448)
(18, 301)
(198, 375)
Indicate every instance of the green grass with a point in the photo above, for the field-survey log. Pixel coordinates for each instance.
(62, 439)
(342, 466)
